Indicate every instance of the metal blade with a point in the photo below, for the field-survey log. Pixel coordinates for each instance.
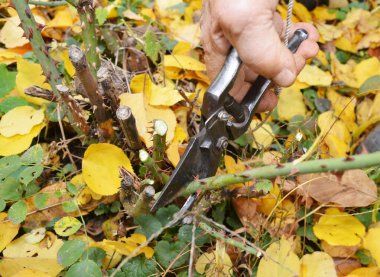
(200, 161)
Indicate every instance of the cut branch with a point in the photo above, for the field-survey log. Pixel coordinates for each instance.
(159, 177)
(36, 91)
(142, 203)
(288, 169)
(128, 126)
(90, 86)
(74, 108)
(159, 142)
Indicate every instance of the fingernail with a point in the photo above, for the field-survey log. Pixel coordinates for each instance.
(285, 78)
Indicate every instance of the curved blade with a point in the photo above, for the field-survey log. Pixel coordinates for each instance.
(201, 160)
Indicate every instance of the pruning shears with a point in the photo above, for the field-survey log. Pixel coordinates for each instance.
(223, 119)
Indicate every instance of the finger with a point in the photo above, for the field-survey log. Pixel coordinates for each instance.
(268, 102)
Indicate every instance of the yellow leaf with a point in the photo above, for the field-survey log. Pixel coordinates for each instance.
(363, 111)
(183, 62)
(317, 264)
(164, 96)
(30, 74)
(345, 44)
(31, 273)
(337, 137)
(339, 228)
(67, 226)
(269, 201)
(8, 231)
(172, 151)
(131, 15)
(344, 72)
(164, 7)
(365, 272)
(145, 114)
(371, 242)
(366, 69)
(8, 57)
(290, 104)
(11, 35)
(263, 136)
(13, 266)
(328, 32)
(301, 12)
(370, 40)
(100, 167)
(126, 246)
(344, 108)
(20, 121)
(314, 76)
(232, 166)
(182, 48)
(67, 63)
(63, 18)
(282, 262)
(18, 143)
(323, 13)
(86, 194)
(321, 56)
(218, 262)
(112, 258)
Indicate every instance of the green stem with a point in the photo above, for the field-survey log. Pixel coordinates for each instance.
(48, 4)
(159, 177)
(272, 171)
(159, 142)
(86, 11)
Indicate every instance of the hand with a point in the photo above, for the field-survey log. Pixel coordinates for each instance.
(256, 30)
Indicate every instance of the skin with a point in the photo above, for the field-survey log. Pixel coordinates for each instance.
(256, 30)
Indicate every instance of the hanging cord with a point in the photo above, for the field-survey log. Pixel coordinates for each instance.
(289, 24)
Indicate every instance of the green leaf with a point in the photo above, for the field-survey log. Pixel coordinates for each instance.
(8, 165)
(307, 232)
(34, 155)
(371, 84)
(67, 226)
(148, 225)
(71, 188)
(40, 200)
(17, 212)
(10, 103)
(167, 252)
(164, 215)
(7, 80)
(363, 258)
(152, 47)
(51, 112)
(101, 15)
(2, 205)
(139, 267)
(95, 254)
(70, 206)
(185, 234)
(30, 173)
(87, 268)
(11, 189)
(219, 212)
(265, 185)
(70, 252)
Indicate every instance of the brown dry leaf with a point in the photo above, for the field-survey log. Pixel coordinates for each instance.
(338, 251)
(344, 266)
(353, 189)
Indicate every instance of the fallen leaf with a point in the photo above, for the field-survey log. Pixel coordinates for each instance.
(11, 35)
(317, 264)
(344, 108)
(30, 74)
(322, 13)
(100, 167)
(263, 136)
(20, 121)
(366, 69)
(371, 242)
(283, 262)
(353, 189)
(183, 62)
(31, 273)
(218, 262)
(290, 104)
(18, 143)
(338, 250)
(8, 231)
(339, 228)
(8, 57)
(126, 246)
(314, 76)
(63, 18)
(344, 266)
(112, 258)
(172, 151)
(13, 266)
(365, 272)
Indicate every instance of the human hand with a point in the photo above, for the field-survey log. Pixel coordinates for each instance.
(256, 31)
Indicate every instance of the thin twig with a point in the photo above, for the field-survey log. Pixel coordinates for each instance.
(48, 4)
(192, 250)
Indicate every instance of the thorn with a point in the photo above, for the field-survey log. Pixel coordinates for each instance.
(279, 165)
(28, 13)
(349, 159)
(40, 26)
(294, 171)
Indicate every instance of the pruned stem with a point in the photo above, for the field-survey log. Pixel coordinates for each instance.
(159, 177)
(267, 172)
(128, 126)
(90, 86)
(142, 203)
(159, 141)
(48, 4)
(36, 91)
(74, 108)
(111, 39)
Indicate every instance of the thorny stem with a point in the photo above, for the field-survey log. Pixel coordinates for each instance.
(267, 172)
(159, 142)
(48, 4)
(86, 11)
(159, 177)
